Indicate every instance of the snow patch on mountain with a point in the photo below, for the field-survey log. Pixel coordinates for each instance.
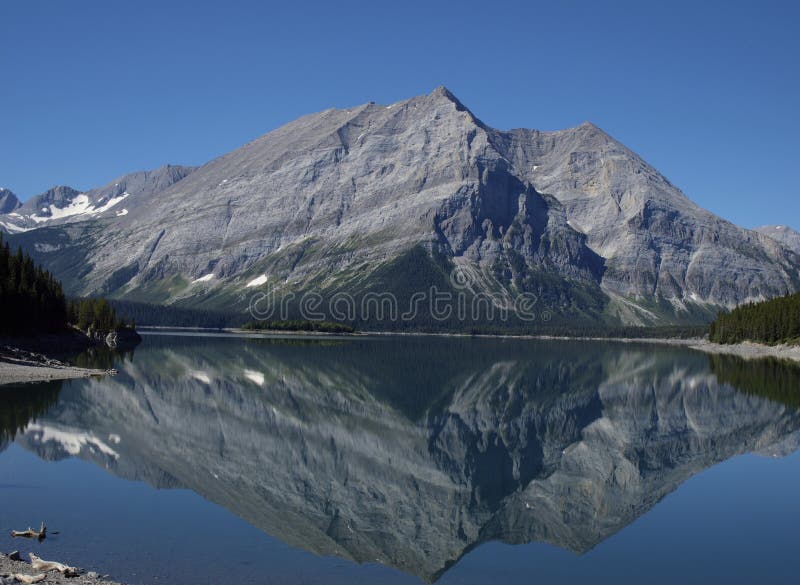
(258, 281)
(81, 205)
(255, 377)
(202, 376)
(71, 442)
(12, 228)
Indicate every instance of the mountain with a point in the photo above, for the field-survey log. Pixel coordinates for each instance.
(415, 454)
(8, 206)
(658, 245)
(8, 201)
(377, 199)
(62, 204)
(783, 234)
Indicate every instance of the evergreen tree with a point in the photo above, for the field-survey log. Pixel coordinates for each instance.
(773, 321)
(31, 299)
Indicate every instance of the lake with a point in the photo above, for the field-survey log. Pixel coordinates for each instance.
(407, 460)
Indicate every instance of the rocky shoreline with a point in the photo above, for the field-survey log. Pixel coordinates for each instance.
(25, 359)
(749, 350)
(18, 366)
(745, 350)
(12, 564)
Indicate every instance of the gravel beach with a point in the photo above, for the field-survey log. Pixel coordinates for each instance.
(19, 366)
(749, 350)
(9, 567)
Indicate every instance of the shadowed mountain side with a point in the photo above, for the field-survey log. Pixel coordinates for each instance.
(374, 450)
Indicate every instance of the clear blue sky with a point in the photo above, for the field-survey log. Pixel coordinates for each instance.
(707, 92)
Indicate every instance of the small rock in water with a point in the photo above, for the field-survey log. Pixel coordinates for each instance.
(92, 575)
(14, 556)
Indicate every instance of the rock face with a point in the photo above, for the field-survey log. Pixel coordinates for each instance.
(8, 205)
(657, 244)
(335, 201)
(783, 234)
(399, 455)
(8, 201)
(122, 339)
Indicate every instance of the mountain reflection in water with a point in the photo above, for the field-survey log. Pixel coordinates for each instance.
(411, 451)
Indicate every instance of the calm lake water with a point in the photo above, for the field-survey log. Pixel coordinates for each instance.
(221, 459)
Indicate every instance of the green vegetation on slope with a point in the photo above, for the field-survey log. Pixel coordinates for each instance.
(773, 321)
(382, 299)
(170, 316)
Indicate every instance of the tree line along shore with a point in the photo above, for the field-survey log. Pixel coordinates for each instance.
(32, 302)
(772, 322)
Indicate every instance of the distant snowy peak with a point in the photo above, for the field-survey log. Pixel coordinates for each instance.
(81, 205)
(63, 204)
(783, 234)
(56, 204)
(58, 196)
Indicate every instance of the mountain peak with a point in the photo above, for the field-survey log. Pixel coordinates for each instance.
(8, 201)
(442, 92)
(593, 128)
(443, 95)
(58, 192)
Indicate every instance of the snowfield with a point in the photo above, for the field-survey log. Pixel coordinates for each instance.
(258, 281)
(81, 205)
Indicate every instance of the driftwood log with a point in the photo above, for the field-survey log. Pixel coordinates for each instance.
(29, 578)
(41, 565)
(41, 534)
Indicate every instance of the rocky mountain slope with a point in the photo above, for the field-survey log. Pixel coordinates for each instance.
(62, 204)
(402, 457)
(392, 198)
(783, 234)
(658, 245)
